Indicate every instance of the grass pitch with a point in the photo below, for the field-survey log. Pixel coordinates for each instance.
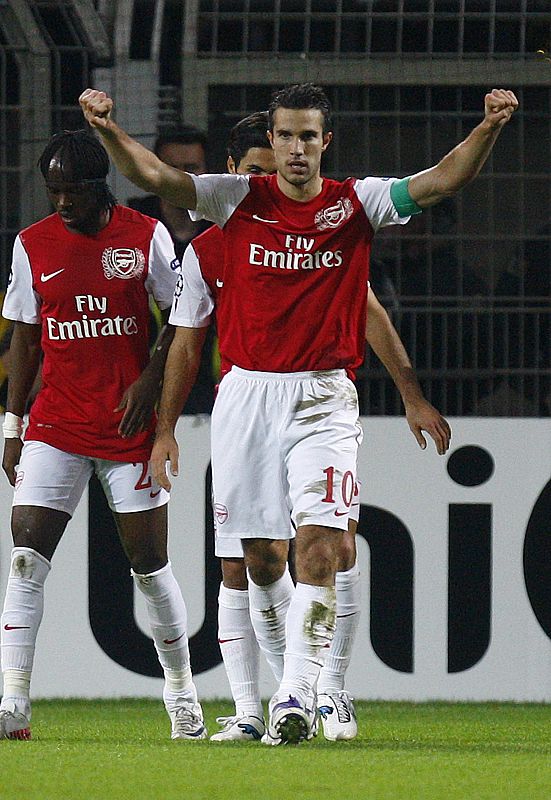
(121, 750)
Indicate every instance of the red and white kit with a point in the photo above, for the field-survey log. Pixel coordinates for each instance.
(291, 297)
(91, 296)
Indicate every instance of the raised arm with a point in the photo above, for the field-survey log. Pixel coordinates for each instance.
(465, 161)
(181, 368)
(383, 338)
(136, 162)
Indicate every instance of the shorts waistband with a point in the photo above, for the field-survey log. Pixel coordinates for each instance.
(287, 376)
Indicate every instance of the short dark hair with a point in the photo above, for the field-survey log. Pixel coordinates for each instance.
(182, 134)
(249, 132)
(84, 160)
(301, 95)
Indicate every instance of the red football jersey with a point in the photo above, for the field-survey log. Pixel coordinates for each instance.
(91, 296)
(200, 284)
(291, 276)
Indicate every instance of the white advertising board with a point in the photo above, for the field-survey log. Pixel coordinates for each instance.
(454, 551)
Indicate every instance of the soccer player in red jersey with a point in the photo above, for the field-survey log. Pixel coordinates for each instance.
(199, 289)
(292, 317)
(79, 293)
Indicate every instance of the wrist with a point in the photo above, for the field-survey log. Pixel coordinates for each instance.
(163, 429)
(412, 397)
(12, 427)
(490, 127)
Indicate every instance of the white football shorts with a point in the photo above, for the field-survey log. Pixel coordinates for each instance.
(284, 448)
(52, 478)
(232, 548)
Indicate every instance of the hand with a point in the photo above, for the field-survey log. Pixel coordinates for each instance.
(499, 107)
(422, 416)
(96, 107)
(138, 403)
(165, 449)
(12, 455)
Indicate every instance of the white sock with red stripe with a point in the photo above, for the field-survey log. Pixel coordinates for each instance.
(21, 618)
(348, 589)
(167, 616)
(269, 605)
(310, 629)
(240, 650)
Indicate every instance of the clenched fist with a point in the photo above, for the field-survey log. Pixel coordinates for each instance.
(96, 107)
(499, 106)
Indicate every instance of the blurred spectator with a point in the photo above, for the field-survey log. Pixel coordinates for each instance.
(442, 326)
(185, 148)
(522, 333)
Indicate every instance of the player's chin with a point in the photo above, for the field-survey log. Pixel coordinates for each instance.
(296, 179)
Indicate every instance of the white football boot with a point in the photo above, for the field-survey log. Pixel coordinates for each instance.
(338, 716)
(187, 721)
(15, 718)
(244, 728)
(291, 721)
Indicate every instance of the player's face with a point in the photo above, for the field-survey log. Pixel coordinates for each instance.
(298, 141)
(76, 203)
(256, 161)
(187, 157)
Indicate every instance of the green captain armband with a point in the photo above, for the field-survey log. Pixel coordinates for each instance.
(404, 204)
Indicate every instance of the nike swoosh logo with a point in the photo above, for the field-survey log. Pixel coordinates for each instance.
(45, 278)
(154, 494)
(236, 639)
(171, 641)
(219, 283)
(16, 627)
(340, 513)
(261, 219)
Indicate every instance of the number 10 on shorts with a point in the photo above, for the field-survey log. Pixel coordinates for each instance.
(348, 487)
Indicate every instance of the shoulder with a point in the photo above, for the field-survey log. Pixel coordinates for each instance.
(43, 228)
(130, 217)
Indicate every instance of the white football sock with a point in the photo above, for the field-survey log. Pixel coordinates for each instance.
(310, 628)
(269, 605)
(239, 649)
(167, 615)
(348, 589)
(21, 618)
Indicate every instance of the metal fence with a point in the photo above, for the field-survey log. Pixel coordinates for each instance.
(468, 282)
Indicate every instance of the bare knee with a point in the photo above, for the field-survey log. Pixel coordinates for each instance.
(265, 559)
(317, 550)
(38, 528)
(143, 535)
(347, 549)
(234, 573)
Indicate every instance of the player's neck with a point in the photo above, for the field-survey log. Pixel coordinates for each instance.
(303, 192)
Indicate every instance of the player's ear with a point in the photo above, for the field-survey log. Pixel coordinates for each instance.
(326, 140)
(270, 136)
(230, 163)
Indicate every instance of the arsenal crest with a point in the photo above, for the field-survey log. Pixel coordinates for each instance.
(335, 215)
(122, 262)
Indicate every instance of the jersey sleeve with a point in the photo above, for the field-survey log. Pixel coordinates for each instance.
(193, 303)
(163, 267)
(218, 196)
(374, 195)
(21, 303)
